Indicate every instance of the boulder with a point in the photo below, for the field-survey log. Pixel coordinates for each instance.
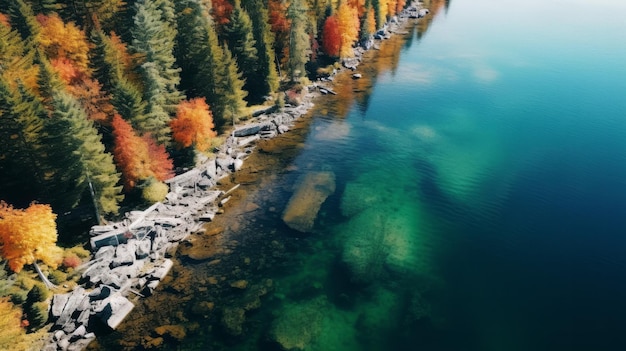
(248, 130)
(298, 325)
(311, 192)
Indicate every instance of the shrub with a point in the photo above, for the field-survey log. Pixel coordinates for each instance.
(71, 260)
(57, 277)
(79, 251)
(154, 191)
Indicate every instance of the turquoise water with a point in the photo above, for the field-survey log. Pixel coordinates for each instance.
(480, 199)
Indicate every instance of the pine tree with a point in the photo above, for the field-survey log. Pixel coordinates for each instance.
(16, 58)
(209, 67)
(44, 6)
(238, 34)
(23, 20)
(76, 136)
(127, 101)
(21, 122)
(264, 43)
(299, 44)
(231, 90)
(154, 34)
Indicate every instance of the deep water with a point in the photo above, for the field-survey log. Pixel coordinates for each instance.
(480, 199)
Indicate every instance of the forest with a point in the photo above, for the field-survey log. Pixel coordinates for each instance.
(103, 100)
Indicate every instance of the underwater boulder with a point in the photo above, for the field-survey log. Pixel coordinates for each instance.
(311, 192)
(364, 253)
(298, 325)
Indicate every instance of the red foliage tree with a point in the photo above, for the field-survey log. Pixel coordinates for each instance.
(221, 11)
(138, 158)
(331, 37)
(193, 124)
(4, 19)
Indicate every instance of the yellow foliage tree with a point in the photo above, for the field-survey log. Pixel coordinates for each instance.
(29, 235)
(10, 329)
(63, 40)
(348, 18)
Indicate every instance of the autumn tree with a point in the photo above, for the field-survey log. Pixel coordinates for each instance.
(299, 44)
(331, 37)
(193, 125)
(28, 235)
(368, 23)
(348, 21)
(221, 11)
(279, 25)
(63, 40)
(138, 158)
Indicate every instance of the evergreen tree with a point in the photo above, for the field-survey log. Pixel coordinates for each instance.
(264, 43)
(21, 123)
(16, 58)
(44, 6)
(210, 72)
(231, 90)
(238, 34)
(299, 44)
(127, 101)
(154, 34)
(80, 148)
(23, 20)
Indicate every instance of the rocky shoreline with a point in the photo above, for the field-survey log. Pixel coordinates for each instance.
(132, 256)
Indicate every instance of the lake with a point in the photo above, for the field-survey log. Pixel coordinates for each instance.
(479, 202)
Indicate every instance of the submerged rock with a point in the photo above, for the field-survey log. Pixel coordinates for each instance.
(298, 325)
(312, 190)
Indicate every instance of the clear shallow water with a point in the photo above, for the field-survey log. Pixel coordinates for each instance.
(480, 198)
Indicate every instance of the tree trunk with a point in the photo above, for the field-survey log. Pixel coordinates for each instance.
(45, 280)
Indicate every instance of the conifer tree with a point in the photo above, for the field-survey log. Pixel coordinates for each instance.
(128, 102)
(80, 147)
(238, 34)
(23, 20)
(299, 44)
(211, 72)
(154, 33)
(21, 123)
(231, 90)
(16, 58)
(264, 43)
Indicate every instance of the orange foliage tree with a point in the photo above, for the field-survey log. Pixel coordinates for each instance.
(85, 89)
(29, 235)
(59, 39)
(349, 24)
(370, 21)
(4, 20)
(331, 37)
(138, 158)
(193, 124)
